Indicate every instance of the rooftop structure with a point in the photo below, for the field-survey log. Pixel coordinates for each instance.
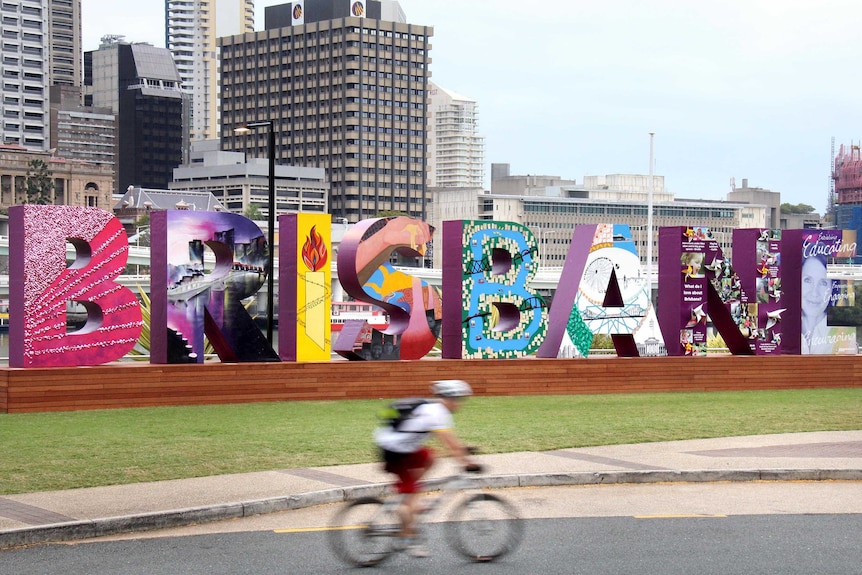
(239, 184)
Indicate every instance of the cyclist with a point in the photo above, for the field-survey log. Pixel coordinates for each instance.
(406, 456)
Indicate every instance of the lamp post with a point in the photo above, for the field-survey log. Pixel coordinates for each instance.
(270, 279)
(650, 224)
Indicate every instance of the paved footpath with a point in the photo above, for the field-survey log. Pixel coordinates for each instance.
(93, 512)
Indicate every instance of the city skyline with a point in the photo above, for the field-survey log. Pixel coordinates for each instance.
(744, 91)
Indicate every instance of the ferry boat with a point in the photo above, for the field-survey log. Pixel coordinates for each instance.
(342, 311)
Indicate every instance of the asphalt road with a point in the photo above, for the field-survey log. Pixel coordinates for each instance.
(787, 528)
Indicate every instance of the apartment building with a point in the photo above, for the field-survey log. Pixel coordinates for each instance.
(191, 31)
(456, 151)
(343, 90)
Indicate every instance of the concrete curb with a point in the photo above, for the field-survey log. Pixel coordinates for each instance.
(88, 529)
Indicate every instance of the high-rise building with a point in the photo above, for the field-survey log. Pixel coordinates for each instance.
(847, 175)
(25, 71)
(140, 85)
(81, 133)
(456, 152)
(64, 42)
(191, 29)
(343, 90)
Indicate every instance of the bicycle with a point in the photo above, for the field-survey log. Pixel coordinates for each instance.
(482, 526)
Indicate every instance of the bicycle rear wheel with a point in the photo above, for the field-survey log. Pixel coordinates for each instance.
(484, 527)
(362, 532)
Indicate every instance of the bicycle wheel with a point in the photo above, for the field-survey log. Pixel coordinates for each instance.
(484, 527)
(362, 532)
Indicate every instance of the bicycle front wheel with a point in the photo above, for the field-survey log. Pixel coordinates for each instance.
(362, 532)
(484, 527)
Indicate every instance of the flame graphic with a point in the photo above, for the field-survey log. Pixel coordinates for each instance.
(297, 11)
(358, 9)
(314, 253)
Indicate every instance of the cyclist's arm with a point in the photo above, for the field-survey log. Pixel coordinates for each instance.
(452, 443)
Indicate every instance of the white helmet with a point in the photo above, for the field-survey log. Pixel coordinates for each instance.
(451, 388)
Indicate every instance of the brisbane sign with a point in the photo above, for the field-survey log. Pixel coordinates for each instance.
(771, 299)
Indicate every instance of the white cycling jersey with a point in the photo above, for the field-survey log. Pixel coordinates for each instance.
(413, 432)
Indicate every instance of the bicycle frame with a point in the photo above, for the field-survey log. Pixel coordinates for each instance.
(446, 489)
(480, 526)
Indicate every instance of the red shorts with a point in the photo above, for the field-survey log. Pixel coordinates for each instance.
(409, 467)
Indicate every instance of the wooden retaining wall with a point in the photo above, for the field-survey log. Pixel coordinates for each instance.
(140, 385)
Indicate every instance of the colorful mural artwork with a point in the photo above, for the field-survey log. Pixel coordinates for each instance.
(612, 293)
(753, 301)
(305, 292)
(819, 293)
(414, 307)
(775, 298)
(697, 281)
(42, 286)
(602, 289)
(190, 301)
(499, 316)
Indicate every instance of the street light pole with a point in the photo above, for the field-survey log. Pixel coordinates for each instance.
(270, 279)
(649, 222)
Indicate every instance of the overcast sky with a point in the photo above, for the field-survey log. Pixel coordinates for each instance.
(738, 89)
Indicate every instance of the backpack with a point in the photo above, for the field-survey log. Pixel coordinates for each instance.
(400, 411)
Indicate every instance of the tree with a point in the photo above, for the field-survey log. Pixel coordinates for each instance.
(390, 214)
(142, 230)
(252, 212)
(787, 208)
(38, 185)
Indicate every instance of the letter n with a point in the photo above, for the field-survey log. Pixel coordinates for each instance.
(697, 280)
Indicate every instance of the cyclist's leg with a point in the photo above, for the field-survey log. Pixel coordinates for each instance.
(410, 471)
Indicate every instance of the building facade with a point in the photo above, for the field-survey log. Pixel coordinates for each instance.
(552, 217)
(64, 42)
(76, 183)
(239, 185)
(25, 71)
(847, 176)
(456, 152)
(140, 85)
(344, 93)
(137, 203)
(81, 133)
(191, 30)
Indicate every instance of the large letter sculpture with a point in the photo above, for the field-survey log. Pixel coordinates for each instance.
(414, 307)
(601, 290)
(813, 293)
(697, 280)
(189, 301)
(41, 286)
(488, 309)
(304, 287)
(744, 300)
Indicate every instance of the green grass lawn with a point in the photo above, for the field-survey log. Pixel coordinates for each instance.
(47, 451)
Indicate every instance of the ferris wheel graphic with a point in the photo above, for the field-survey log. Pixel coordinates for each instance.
(596, 278)
(594, 285)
